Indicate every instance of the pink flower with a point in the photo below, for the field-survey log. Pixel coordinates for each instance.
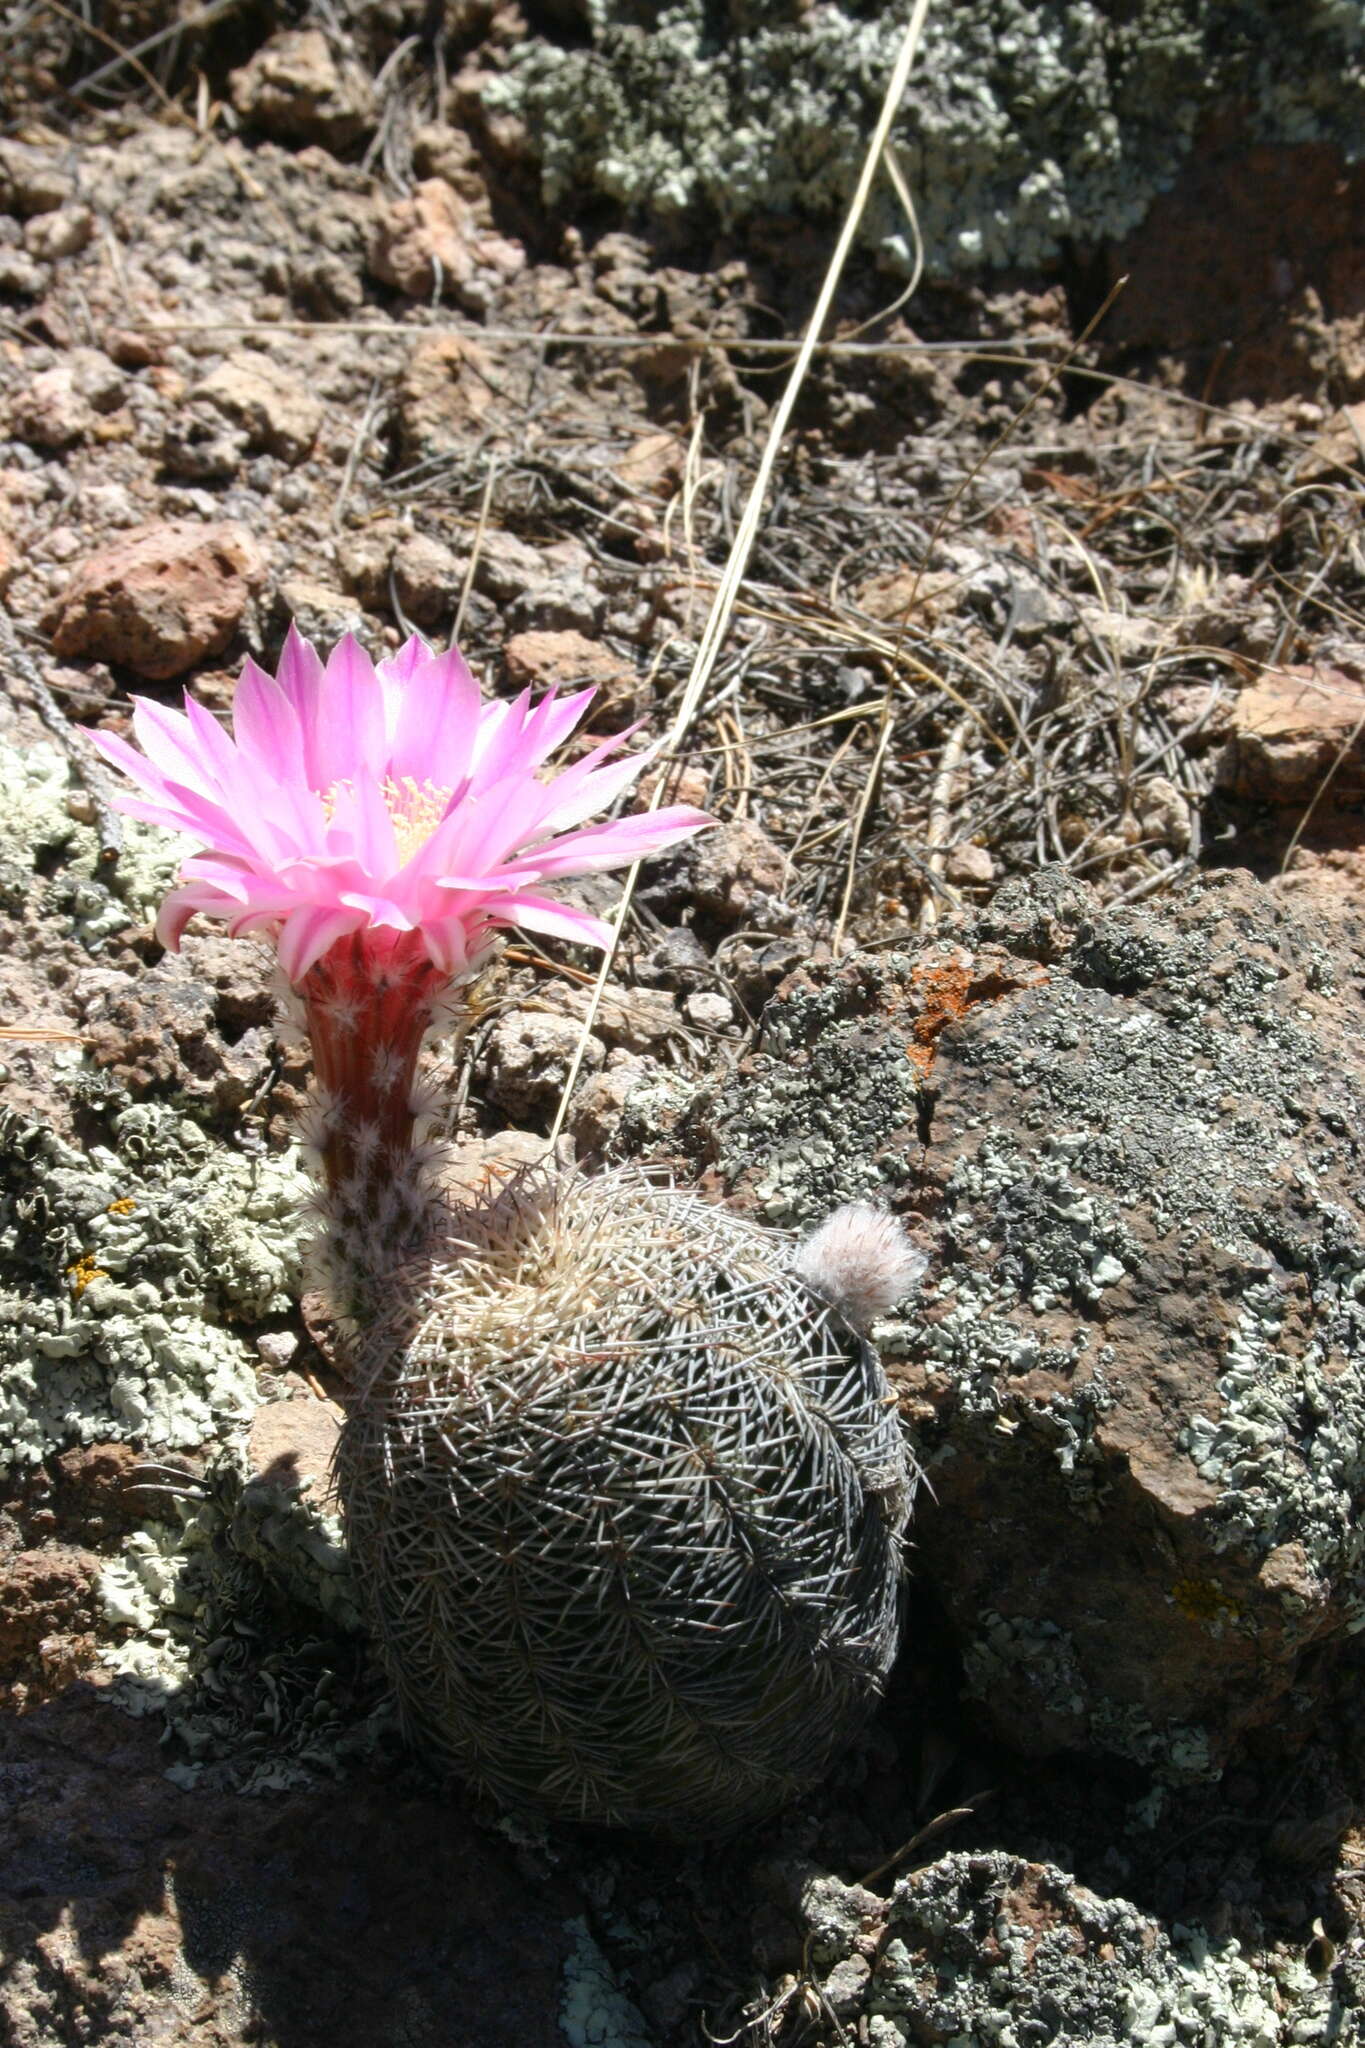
(356, 798)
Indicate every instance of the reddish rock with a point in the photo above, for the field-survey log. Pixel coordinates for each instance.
(569, 660)
(292, 1442)
(444, 397)
(433, 242)
(277, 413)
(1135, 1371)
(1291, 729)
(47, 1612)
(653, 464)
(297, 89)
(427, 578)
(160, 598)
(730, 867)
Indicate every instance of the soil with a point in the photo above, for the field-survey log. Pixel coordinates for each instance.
(287, 337)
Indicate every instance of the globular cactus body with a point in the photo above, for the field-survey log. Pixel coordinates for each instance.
(627, 1503)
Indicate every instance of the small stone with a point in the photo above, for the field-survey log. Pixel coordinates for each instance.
(529, 1053)
(969, 867)
(427, 577)
(51, 412)
(31, 180)
(444, 395)
(709, 1011)
(160, 598)
(50, 236)
(569, 660)
(431, 244)
(321, 614)
(277, 414)
(505, 566)
(653, 464)
(561, 604)
(297, 90)
(1290, 729)
(730, 867)
(277, 1348)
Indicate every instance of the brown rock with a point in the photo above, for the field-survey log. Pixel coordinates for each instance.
(1135, 1371)
(160, 598)
(1293, 727)
(291, 1443)
(50, 236)
(528, 1057)
(50, 412)
(653, 464)
(569, 660)
(45, 1595)
(431, 244)
(427, 577)
(444, 397)
(279, 415)
(295, 88)
(729, 867)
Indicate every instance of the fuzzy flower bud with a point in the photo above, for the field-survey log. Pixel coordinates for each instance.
(861, 1262)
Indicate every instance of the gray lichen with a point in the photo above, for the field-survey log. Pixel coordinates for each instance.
(988, 1951)
(125, 1267)
(1027, 123)
(594, 2011)
(43, 823)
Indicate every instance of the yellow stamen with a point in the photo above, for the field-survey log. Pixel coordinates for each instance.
(416, 809)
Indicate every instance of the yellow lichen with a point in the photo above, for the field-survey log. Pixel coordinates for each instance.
(83, 1272)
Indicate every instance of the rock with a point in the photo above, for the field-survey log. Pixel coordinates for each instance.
(988, 1947)
(160, 598)
(477, 1164)
(47, 1596)
(291, 1444)
(1136, 1370)
(51, 412)
(599, 1105)
(431, 245)
(443, 398)
(1289, 729)
(528, 1058)
(654, 464)
(296, 89)
(709, 1011)
(969, 867)
(728, 869)
(321, 614)
(560, 604)
(273, 1899)
(31, 180)
(277, 414)
(506, 566)
(95, 1492)
(569, 660)
(50, 236)
(428, 578)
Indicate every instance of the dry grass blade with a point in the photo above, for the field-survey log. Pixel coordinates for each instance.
(718, 620)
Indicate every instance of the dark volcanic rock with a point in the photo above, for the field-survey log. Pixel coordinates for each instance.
(1136, 1370)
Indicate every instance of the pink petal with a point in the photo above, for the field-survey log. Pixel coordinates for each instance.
(168, 740)
(614, 845)
(541, 914)
(438, 723)
(349, 734)
(308, 933)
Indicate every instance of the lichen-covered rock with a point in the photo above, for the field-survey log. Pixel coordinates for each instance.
(120, 1271)
(992, 1949)
(1024, 126)
(1136, 1371)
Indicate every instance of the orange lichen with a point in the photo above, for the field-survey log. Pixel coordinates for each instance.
(1202, 1600)
(123, 1207)
(83, 1272)
(948, 989)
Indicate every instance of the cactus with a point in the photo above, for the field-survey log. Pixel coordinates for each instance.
(626, 1501)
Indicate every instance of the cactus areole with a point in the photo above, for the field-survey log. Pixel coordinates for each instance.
(623, 1483)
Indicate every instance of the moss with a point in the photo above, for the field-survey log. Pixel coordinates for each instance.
(1028, 123)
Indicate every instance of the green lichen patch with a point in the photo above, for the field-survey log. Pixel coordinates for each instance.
(1025, 126)
(124, 1271)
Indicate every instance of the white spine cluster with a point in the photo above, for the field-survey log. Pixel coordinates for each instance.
(861, 1262)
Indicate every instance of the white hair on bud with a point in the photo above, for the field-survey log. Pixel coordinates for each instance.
(860, 1261)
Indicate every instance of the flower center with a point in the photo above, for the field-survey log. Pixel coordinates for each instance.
(415, 809)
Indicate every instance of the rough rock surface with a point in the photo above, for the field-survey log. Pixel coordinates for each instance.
(996, 1949)
(159, 599)
(1136, 1371)
(297, 88)
(432, 242)
(1293, 729)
